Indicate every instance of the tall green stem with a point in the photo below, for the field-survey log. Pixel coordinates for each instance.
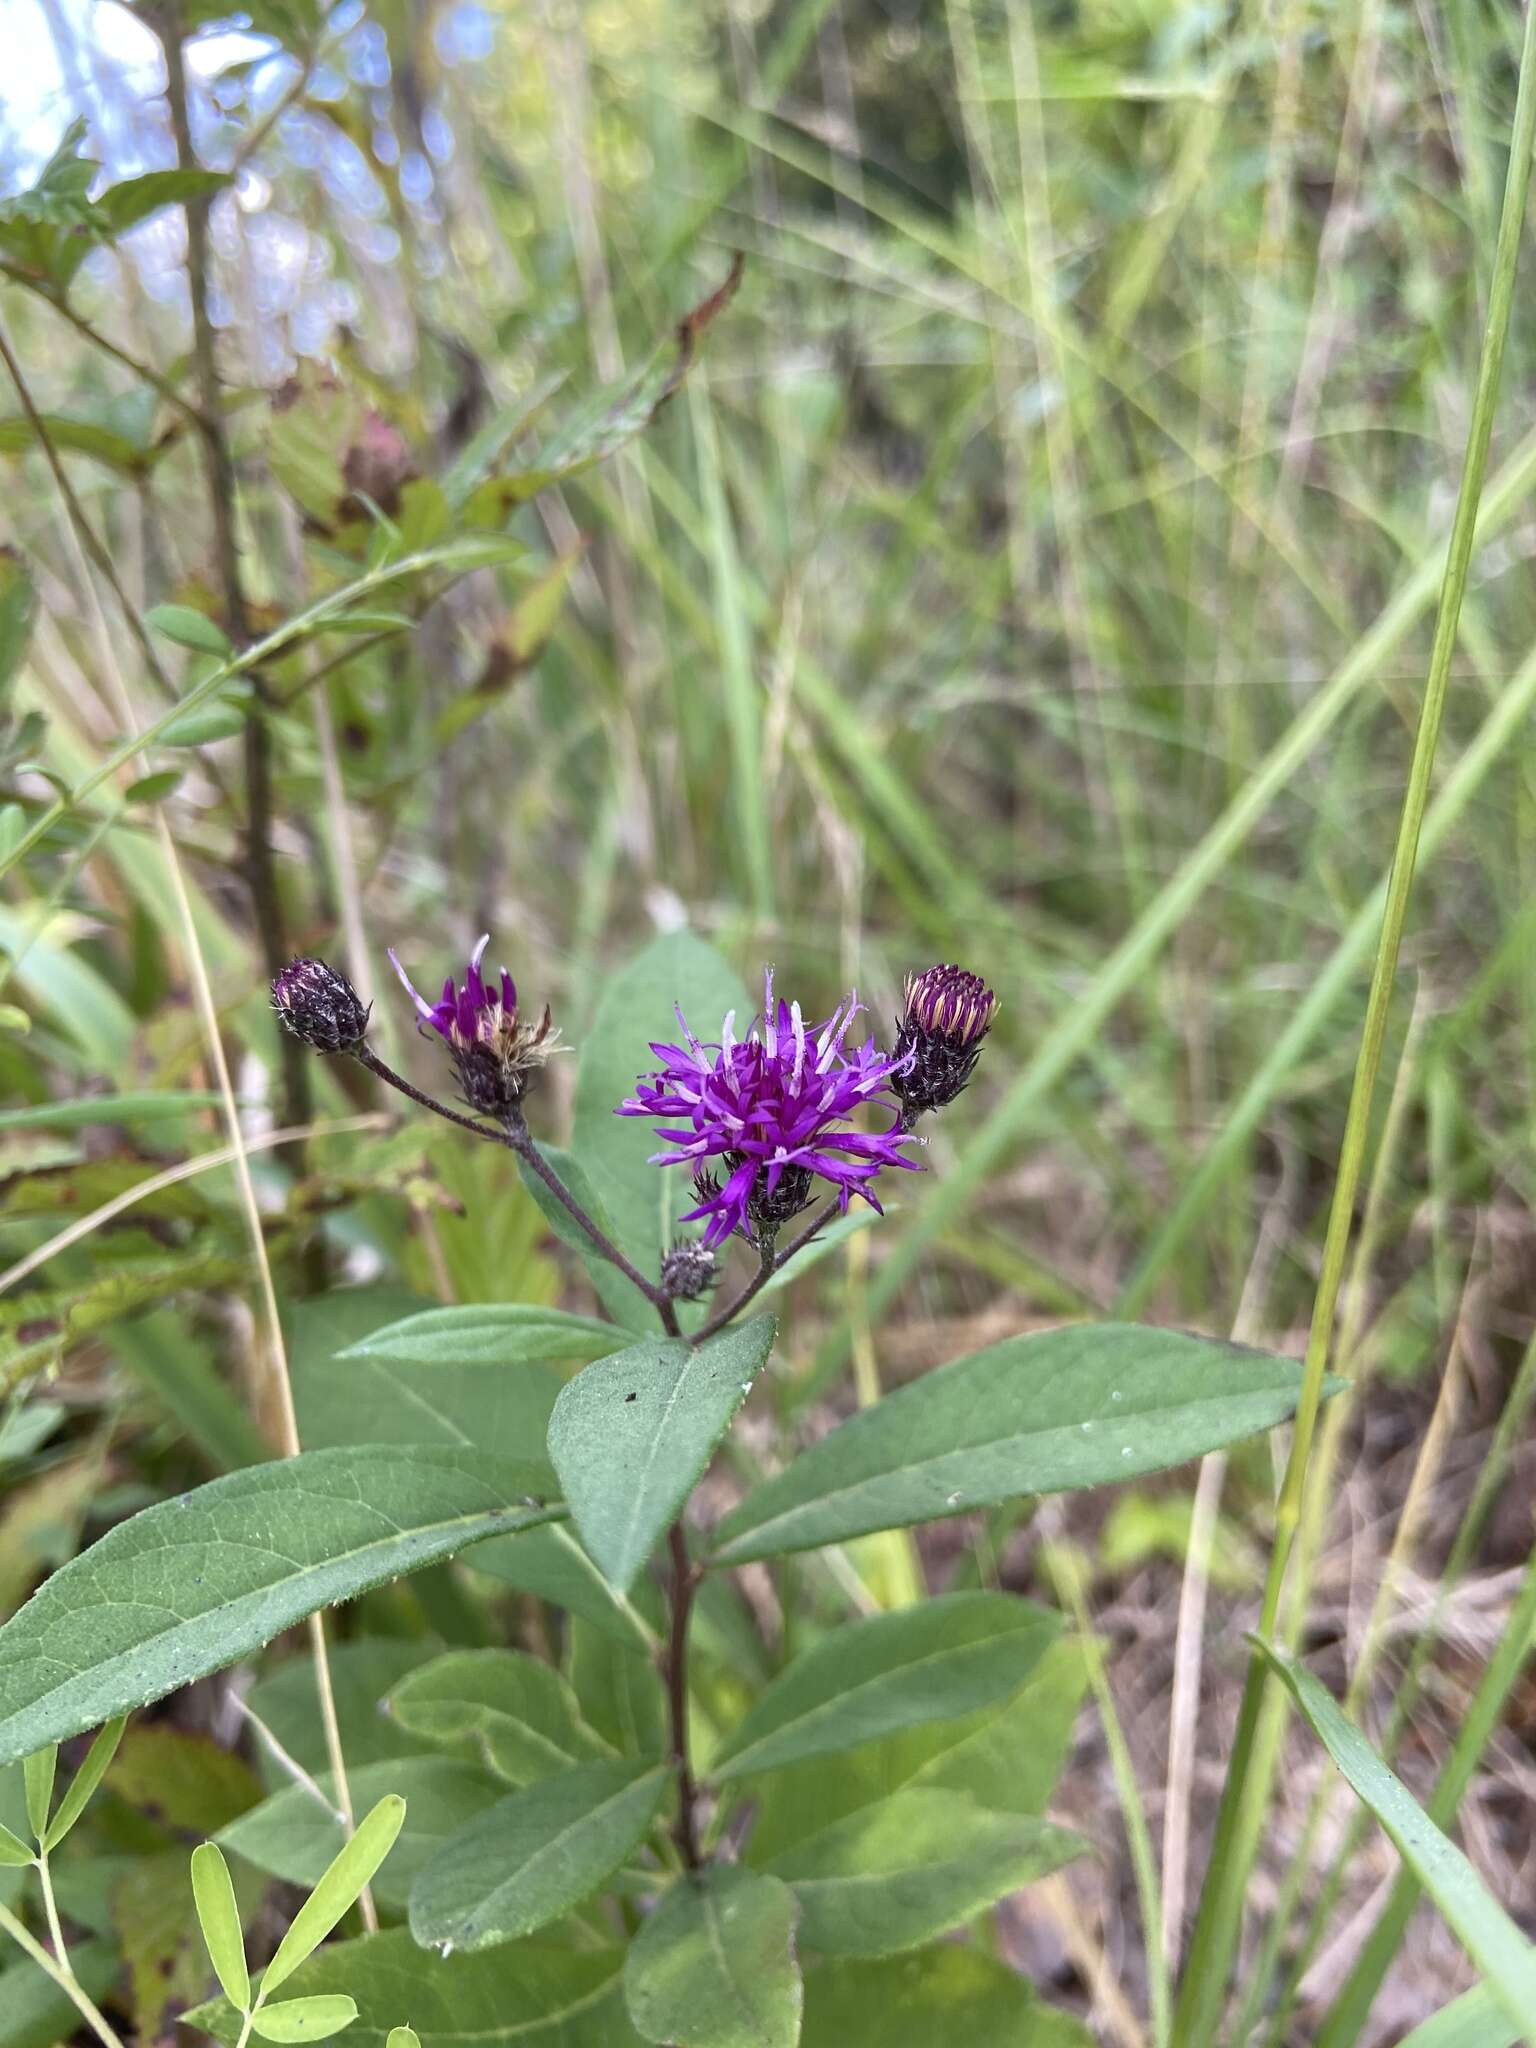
(1246, 1792)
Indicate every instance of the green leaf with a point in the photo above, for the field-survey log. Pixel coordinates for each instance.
(1472, 2021)
(305, 2019)
(632, 1435)
(188, 1586)
(14, 1853)
(500, 1412)
(38, 1774)
(639, 1004)
(620, 1691)
(537, 1854)
(181, 1779)
(936, 1995)
(77, 437)
(213, 1893)
(402, 2037)
(517, 1711)
(933, 1662)
(714, 1965)
(490, 1333)
(293, 1836)
(1501, 1952)
(188, 628)
(348, 1876)
(85, 1781)
(149, 789)
(525, 1995)
(1048, 1413)
(552, 1564)
(125, 204)
(911, 1868)
(362, 1672)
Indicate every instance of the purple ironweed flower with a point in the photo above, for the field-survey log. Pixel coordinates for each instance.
(773, 1108)
(320, 1006)
(493, 1050)
(938, 1039)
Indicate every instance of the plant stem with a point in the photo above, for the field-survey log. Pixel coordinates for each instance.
(1245, 1793)
(63, 1977)
(516, 1136)
(219, 475)
(50, 1908)
(772, 1263)
(685, 1577)
(145, 372)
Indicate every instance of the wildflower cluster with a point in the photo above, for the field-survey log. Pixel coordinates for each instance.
(759, 1118)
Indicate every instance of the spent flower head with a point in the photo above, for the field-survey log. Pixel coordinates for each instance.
(774, 1109)
(948, 1013)
(320, 1006)
(495, 1052)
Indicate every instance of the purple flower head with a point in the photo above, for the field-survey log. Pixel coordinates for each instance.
(493, 1050)
(938, 1040)
(774, 1108)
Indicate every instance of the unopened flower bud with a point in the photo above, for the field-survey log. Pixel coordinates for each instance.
(938, 1039)
(320, 1006)
(687, 1271)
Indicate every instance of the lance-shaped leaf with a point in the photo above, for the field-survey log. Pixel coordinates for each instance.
(1497, 1946)
(535, 1855)
(488, 1333)
(190, 1585)
(928, 1663)
(213, 1895)
(630, 1437)
(715, 1965)
(341, 1885)
(911, 1868)
(1047, 1413)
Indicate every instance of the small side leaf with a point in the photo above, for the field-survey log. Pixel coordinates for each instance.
(86, 1779)
(188, 628)
(339, 1889)
(213, 1893)
(402, 2037)
(14, 1853)
(305, 2019)
(38, 1771)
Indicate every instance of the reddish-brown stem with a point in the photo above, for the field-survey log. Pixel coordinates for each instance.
(685, 1577)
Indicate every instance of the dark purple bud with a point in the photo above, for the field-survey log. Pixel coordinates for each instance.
(687, 1271)
(320, 1006)
(938, 1038)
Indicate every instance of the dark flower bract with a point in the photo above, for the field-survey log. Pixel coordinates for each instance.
(949, 1012)
(320, 1006)
(774, 1108)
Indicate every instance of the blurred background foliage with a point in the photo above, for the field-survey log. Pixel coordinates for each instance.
(1064, 484)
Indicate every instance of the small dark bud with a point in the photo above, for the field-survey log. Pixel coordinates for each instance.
(320, 1006)
(938, 1038)
(687, 1271)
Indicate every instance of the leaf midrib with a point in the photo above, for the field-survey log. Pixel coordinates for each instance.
(839, 1701)
(818, 1502)
(497, 1517)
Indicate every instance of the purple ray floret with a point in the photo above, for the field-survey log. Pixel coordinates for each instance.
(774, 1107)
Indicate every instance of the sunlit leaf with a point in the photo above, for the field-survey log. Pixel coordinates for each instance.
(218, 1916)
(338, 1890)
